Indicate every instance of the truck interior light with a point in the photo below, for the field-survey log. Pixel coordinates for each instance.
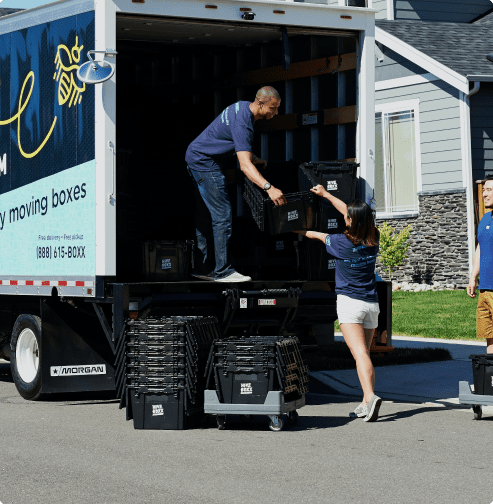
(211, 6)
(245, 9)
(279, 12)
(346, 17)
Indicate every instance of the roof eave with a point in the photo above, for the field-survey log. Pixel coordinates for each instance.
(417, 57)
(480, 78)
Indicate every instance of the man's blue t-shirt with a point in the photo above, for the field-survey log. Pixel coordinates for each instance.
(485, 240)
(230, 132)
(355, 268)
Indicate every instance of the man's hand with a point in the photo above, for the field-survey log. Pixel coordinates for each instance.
(319, 190)
(276, 196)
(471, 289)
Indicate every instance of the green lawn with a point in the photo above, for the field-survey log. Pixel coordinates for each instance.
(440, 314)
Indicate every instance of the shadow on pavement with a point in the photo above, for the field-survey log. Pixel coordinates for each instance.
(409, 413)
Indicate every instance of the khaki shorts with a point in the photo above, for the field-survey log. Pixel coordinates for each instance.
(484, 315)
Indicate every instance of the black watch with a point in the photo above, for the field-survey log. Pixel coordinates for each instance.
(267, 186)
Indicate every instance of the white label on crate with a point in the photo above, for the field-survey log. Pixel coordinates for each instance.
(309, 118)
(331, 185)
(166, 264)
(292, 215)
(332, 264)
(243, 303)
(90, 369)
(157, 410)
(332, 224)
(279, 245)
(246, 388)
(266, 302)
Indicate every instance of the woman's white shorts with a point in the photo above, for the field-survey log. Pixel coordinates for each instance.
(356, 311)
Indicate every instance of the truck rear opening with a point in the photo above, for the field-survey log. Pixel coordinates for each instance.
(174, 76)
(109, 160)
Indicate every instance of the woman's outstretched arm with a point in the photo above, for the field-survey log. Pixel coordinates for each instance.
(314, 235)
(339, 205)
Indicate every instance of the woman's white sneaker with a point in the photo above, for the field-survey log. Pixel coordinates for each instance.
(371, 408)
(358, 412)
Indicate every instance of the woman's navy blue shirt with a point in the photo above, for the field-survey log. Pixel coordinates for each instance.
(355, 268)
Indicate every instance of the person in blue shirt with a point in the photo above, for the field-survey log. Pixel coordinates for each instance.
(231, 132)
(483, 266)
(355, 252)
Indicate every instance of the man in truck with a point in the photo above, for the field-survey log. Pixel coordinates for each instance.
(483, 265)
(231, 132)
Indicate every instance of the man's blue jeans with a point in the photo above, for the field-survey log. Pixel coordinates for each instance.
(212, 189)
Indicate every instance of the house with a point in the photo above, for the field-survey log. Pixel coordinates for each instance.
(434, 129)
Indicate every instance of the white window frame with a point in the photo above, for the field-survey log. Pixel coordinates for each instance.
(390, 10)
(400, 107)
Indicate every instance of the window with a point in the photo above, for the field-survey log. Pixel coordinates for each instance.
(396, 160)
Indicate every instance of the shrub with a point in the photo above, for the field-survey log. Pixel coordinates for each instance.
(393, 247)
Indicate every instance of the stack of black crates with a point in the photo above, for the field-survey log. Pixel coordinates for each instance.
(246, 369)
(278, 255)
(338, 178)
(160, 370)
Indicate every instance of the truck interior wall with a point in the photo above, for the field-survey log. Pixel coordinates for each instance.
(168, 92)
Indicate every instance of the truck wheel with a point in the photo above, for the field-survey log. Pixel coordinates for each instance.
(478, 412)
(25, 356)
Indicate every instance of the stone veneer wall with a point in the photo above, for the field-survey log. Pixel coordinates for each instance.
(438, 246)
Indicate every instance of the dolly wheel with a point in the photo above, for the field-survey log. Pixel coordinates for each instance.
(221, 422)
(276, 427)
(246, 418)
(478, 412)
(293, 418)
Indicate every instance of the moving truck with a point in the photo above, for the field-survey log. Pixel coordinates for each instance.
(93, 173)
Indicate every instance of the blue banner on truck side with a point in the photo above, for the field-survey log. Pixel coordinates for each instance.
(47, 137)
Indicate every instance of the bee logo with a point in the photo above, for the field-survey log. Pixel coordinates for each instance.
(68, 90)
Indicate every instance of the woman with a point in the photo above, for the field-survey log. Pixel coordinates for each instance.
(357, 301)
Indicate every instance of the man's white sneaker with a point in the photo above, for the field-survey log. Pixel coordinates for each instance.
(234, 277)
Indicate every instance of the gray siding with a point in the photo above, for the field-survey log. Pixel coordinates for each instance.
(454, 11)
(440, 131)
(394, 66)
(381, 6)
(482, 132)
(323, 2)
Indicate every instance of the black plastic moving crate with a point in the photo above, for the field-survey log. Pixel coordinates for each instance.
(315, 263)
(482, 370)
(245, 370)
(160, 367)
(166, 260)
(300, 211)
(158, 410)
(337, 177)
